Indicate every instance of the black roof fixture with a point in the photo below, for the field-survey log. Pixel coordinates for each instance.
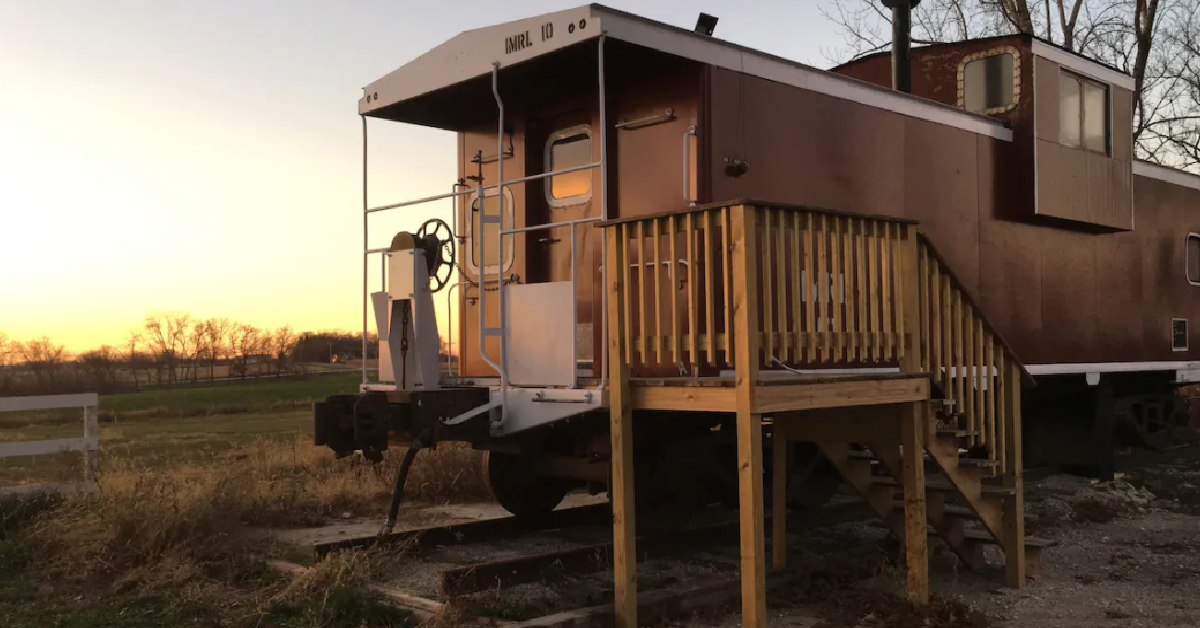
(901, 42)
(706, 24)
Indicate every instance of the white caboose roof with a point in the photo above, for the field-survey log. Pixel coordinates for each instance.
(472, 54)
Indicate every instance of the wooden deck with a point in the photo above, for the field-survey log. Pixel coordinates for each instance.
(758, 289)
(778, 394)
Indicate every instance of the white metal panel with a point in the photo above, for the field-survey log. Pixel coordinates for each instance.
(47, 402)
(472, 53)
(1163, 173)
(42, 447)
(527, 408)
(540, 334)
(1109, 367)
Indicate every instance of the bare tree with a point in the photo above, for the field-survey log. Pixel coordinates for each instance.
(282, 343)
(1154, 41)
(133, 358)
(99, 368)
(8, 359)
(45, 361)
(213, 342)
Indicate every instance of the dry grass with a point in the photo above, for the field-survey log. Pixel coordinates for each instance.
(177, 536)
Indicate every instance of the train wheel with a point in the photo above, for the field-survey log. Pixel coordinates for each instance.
(518, 489)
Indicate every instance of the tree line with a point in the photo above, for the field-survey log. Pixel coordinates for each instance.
(169, 350)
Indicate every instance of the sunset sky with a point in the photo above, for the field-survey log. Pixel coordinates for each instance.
(204, 156)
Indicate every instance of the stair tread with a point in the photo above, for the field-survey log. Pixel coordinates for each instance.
(966, 462)
(956, 433)
(951, 509)
(1030, 541)
(980, 536)
(942, 485)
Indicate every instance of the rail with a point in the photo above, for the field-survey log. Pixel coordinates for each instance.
(828, 291)
(968, 360)
(831, 290)
(89, 444)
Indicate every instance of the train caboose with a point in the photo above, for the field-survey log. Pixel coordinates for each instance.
(627, 299)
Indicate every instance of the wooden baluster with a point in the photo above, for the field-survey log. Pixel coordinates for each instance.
(989, 369)
(886, 247)
(810, 294)
(822, 292)
(835, 287)
(643, 287)
(657, 297)
(710, 321)
(980, 395)
(764, 221)
(693, 294)
(1002, 384)
(924, 346)
(727, 271)
(848, 293)
(860, 279)
(960, 364)
(948, 341)
(968, 315)
(625, 234)
(873, 282)
(936, 320)
(905, 288)
(781, 285)
(797, 296)
(673, 266)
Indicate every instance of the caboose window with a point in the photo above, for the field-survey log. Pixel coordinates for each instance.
(1083, 113)
(489, 232)
(989, 82)
(569, 148)
(1193, 259)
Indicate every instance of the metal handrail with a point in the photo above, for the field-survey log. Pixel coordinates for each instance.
(602, 164)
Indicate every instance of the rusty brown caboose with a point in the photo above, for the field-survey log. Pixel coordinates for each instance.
(626, 303)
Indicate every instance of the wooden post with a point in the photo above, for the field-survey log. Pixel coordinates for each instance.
(621, 432)
(749, 424)
(1014, 505)
(779, 460)
(916, 526)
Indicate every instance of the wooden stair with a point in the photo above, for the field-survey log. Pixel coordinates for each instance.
(965, 506)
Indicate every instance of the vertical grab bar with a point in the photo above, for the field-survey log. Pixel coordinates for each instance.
(687, 165)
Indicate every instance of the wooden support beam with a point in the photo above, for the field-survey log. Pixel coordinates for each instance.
(779, 463)
(1014, 504)
(880, 424)
(749, 424)
(834, 394)
(916, 530)
(621, 434)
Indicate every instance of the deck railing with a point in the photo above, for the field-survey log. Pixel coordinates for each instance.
(831, 289)
(968, 359)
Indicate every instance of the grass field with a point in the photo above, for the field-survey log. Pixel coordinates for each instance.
(184, 474)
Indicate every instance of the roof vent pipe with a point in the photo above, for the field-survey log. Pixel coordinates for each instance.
(901, 43)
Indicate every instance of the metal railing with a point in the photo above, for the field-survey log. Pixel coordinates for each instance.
(485, 218)
(89, 444)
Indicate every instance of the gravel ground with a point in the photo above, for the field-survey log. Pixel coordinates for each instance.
(1128, 555)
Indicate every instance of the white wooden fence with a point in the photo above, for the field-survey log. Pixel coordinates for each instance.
(89, 444)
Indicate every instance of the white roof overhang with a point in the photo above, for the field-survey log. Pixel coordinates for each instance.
(474, 53)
